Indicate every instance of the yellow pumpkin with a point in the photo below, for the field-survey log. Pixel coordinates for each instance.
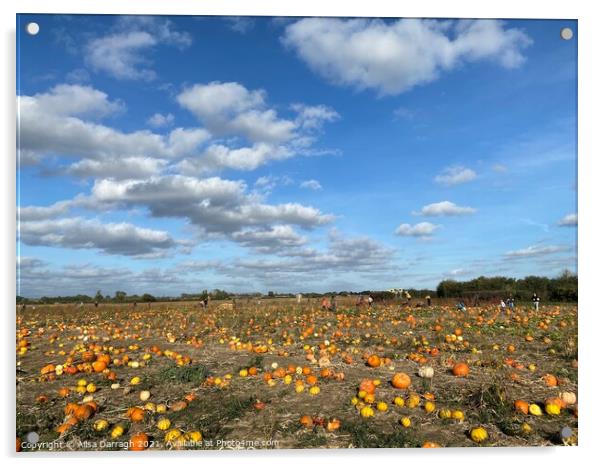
(479, 434)
(163, 423)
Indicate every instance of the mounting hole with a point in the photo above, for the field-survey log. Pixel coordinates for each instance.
(32, 28)
(566, 33)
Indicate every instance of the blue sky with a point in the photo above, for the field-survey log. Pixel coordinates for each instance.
(174, 154)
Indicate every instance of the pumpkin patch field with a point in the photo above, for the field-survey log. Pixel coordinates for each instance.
(276, 373)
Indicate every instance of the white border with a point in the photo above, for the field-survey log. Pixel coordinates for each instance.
(590, 151)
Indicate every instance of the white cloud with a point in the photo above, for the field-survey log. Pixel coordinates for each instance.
(455, 175)
(158, 120)
(110, 238)
(52, 123)
(213, 204)
(445, 208)
(394, 56)
(569, 220)
(229, 108)
(218, 156)
(311, 184)
(30, 213)
(119, 168)
(499, 168)
(240, 24)
(313, 116)
(534, 251)
(121, 53)
(420, 229)
(270, 240)
(74, 100)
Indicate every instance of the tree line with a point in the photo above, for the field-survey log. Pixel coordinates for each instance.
(562, 288)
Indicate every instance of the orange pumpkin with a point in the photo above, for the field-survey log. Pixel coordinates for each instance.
(333, 425)
(83, 412)
(179, 406)
(373, 360)
(460, 369)
(306, 421)
(138, 442)
(521, 406)
(136, 414)
(367, 386)
(99, 366)
(550, 380)
(431, 445)
(401, 380)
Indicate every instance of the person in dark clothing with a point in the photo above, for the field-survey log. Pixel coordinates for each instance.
(428, 300)
(535, 300)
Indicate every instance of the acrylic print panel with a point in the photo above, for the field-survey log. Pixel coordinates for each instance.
(255, 232)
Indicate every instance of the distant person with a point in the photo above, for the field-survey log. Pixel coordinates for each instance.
(135, 304)
(510, 303)
(299, 296)
(503, 305)
(95, 303)
(333, 303)
(325, 303)
(535, 300)
(461, 306)
(370, 301)
(428, 300)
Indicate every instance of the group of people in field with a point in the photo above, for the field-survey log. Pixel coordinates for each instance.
(509, 303)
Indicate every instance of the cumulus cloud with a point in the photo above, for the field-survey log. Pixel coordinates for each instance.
(213, 204)
(311, 184)
(342, 255)
(53, 123)
(110, 238)
(271, 240)
(219, 156)
(119, 168)
(534, 251)
(230, 109)
(569, 220)
(29, 213)
(394, 56)
(121, 53)
(445, 208)
(455, 175)
(421, 229)
(158, 120)
(360, 254)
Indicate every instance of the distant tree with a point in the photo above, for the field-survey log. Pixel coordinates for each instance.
(148, 298)
(120, 296)
(270, 294)
(98, 296)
